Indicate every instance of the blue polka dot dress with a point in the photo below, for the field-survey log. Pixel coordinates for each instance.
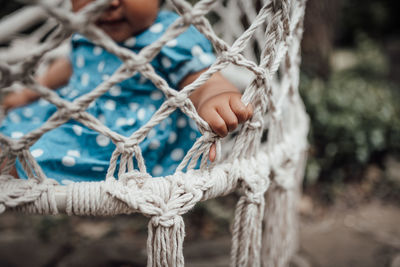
(73, 152)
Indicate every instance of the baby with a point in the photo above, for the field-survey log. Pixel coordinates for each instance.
(73, 152)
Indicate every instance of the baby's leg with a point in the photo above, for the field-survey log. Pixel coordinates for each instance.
(13, 171)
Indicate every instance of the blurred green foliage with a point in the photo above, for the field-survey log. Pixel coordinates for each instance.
(354, 116)
(377, 18)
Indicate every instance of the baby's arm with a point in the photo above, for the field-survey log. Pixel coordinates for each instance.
(56, 75)
(219, 103)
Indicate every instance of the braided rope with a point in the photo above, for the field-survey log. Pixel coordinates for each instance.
(271, 42)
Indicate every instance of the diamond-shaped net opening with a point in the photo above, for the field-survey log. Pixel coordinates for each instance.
(256, 44)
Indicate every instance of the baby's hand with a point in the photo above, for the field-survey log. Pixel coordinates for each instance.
(16, 99)
(223, 112)
(219, 103)
(57, 74)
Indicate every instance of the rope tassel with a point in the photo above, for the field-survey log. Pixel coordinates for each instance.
(247, 231)
(165, 242)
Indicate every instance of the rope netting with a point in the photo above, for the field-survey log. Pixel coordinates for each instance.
(259, 37)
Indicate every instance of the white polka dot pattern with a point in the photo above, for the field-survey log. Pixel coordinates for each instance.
(28, 112)
(158, 170)
(43, 102)
(37, 152)
(155, 144)
(182, 122)
(177, 154)
(110, 104)
(206, 59)
(74, 153)
(94, 64)
(102, 140)
(68, 161)
(17, 135)
(97, 168)
(141, 114)
(172, 138)
(115, 90)
(130, 42)
(80, 61)
(157, 95)
(77, 130)
(151, 134)
(133, 106)
(157, 28)
(97, 50)
(85, 79)
(197, 51)
(172, 43)
(166, 62)
(100, 66)
(14, 117)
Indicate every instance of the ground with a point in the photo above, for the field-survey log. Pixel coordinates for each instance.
(365, 233)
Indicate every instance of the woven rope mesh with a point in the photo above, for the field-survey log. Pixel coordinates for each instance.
(262, 39)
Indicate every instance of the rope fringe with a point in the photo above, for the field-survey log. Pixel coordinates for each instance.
(247, 232)
(276, 29)
(247, 226)
(165, 242)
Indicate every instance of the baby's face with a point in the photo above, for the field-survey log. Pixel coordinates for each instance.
(124, 18)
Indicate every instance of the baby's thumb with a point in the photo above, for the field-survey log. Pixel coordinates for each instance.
(213, 153)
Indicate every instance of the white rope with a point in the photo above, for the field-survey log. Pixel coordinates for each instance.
(20, 20)
(270, 42)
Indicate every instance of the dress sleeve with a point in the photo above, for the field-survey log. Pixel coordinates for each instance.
(190, 52)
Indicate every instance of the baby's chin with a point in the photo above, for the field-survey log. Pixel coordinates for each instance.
(118, 33)
(119, 37)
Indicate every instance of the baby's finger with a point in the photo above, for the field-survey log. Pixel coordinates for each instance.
(228, 116)
(213, 153)
(239, 108)
(216, 123)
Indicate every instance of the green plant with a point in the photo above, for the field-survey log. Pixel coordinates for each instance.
(354, 117)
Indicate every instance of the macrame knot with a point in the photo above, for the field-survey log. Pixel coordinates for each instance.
(135, 175)
(79, 20)
(255, 125)
(36, 196)
(247, 228)
(45, 184)
(229, 56)
(260, 75)
(180, 99)
(137, 64)
(254, 197)
(209, 136)
(16, 148)
(70, 110)
(165, 220)
(187, 17)
(124, 149)
(3, 180)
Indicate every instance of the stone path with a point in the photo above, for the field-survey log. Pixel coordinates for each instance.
(366, 236)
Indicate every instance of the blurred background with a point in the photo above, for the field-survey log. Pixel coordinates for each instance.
(350, 210)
